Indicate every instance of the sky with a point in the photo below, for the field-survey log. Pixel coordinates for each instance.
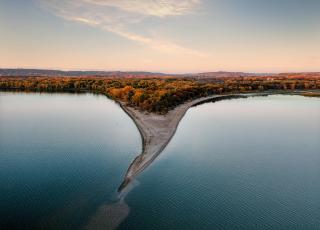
(171, 36)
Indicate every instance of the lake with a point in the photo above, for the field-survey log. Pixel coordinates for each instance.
(235, 164)
(62, 156)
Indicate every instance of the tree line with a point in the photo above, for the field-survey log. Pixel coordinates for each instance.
(157, 94)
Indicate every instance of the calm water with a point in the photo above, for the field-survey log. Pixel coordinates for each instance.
(62, 156)
(238, 164)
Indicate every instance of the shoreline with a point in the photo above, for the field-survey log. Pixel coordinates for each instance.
(157, 130)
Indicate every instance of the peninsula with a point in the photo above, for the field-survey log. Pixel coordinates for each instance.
(156, 132)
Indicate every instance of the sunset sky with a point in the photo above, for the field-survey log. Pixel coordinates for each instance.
(174, 36)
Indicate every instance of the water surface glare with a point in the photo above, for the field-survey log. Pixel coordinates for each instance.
(236, 164)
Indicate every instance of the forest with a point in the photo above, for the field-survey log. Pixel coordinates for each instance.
(158, 94)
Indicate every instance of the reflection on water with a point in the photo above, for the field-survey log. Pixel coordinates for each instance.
(237, 164)
(62, 157)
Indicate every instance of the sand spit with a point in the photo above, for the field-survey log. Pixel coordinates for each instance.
(157, 130)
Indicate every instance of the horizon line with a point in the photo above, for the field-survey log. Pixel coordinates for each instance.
(154, 72)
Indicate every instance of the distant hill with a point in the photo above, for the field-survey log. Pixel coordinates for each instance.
(204, 75)
(44, 72)
(222, 74)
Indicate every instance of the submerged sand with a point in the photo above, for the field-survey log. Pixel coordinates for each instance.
(108, 216)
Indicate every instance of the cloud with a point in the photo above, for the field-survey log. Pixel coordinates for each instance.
(117, 16)
(159, 8)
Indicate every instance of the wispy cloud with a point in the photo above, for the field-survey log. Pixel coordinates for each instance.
(159, 8)
(117, 16)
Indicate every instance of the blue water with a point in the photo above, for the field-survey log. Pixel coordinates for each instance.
(238, 164)
(61, 157)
